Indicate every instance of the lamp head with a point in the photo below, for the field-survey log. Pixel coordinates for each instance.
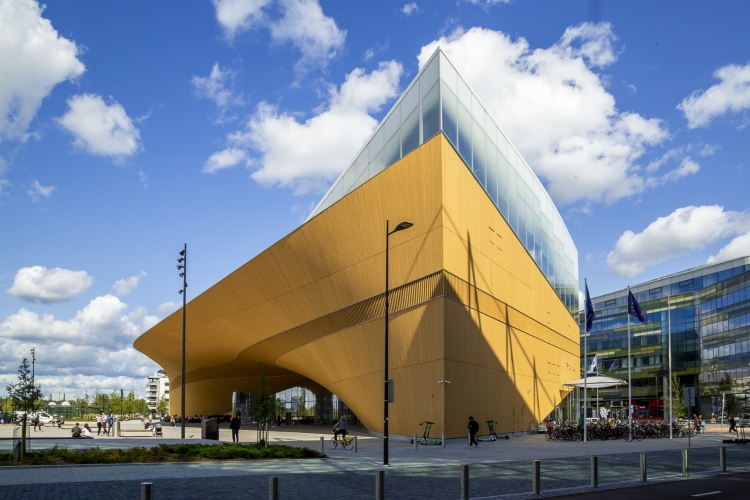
(182, 274)
(402, 226)
(182, 253)
(180, 267)
(181, 259)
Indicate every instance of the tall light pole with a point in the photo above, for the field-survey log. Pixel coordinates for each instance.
(400, 227)
(182, 265)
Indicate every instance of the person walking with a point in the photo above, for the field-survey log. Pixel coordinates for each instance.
(732, 424)
(473, 429)
(235, 424)
(702, 423)
(696, 423)
(99, 421)
(109, 422)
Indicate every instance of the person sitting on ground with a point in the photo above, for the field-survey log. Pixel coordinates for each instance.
(340, 427)
(76, 431)
(86, 431)
(60, 422)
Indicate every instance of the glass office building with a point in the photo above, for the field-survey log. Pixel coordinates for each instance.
(709, 308)
(438, 100)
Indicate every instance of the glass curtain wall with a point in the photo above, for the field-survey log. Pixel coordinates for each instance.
(439, 100)
(710, 322)
(299, 406)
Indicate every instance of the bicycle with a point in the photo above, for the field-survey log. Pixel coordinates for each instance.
(533, 428)
(346, 441)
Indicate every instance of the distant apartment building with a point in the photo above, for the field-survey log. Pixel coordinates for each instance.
(157, 387)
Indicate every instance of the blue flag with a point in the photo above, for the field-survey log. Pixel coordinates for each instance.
(615, 364)
(634, 308)
(589, 310)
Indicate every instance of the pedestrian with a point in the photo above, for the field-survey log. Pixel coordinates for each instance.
(110, 422)
(702, 423)
(235, 424)
(696, 423)
(473, 429)
(732, 424)
(76, 431)
(99, 422)
(172, 419)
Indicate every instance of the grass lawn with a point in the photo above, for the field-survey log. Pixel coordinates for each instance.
(161, 453)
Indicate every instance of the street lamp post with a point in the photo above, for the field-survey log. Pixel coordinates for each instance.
(182, 265)
(400, 227)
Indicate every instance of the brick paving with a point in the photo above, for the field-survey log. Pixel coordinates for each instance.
(497, 469)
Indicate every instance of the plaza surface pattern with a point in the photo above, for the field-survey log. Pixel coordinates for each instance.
(497, 469)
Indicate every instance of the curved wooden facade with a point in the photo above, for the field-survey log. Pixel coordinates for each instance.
(469, 305)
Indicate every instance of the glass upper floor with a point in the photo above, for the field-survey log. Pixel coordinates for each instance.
(439, 100)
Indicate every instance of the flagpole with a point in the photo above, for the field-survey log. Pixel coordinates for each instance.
(585, 371)
(669, 339)
(630, 385)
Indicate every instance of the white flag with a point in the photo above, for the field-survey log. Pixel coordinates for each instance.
(593, 365)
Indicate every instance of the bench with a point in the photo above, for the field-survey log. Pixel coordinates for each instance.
(136, 433)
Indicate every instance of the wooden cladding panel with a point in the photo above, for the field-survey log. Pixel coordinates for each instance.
(491, 323)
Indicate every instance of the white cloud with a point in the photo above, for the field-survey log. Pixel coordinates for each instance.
(47, 286)
(143, 179)
(302, 23)
(738, 247)
(237, 15)
(488, 2)
(410, 8)
(687, 167)
(93, 349)
(685, 230)
(224, 159)
(556, 109)
(312, 32)
(99, 128)
(34, 58)
(127, 285)
(306, 155)
(38, 190)
(218, 86)
(732, 93)
(168, 307)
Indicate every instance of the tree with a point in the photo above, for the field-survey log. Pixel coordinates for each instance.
(678, 402)
(264, 407)
(161, 406)
(26, 397)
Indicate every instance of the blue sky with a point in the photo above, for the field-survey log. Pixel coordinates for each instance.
(130, 128)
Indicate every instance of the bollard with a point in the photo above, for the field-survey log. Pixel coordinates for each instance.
(415, 441)
(355, 444)
(535, 473)
(379, 485)
(273, 488)
(468, 438)
(685, 463)
(442, 441)
(147, 491)
(464, 482)
(322, 445)
(594, 472)
(722, 458)
(643, 474)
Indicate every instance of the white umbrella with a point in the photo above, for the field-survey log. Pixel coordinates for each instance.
(596, 382)
(52, 403)
(64, 403)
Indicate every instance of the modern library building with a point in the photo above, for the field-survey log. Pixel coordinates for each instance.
(483, 287)
(707, 310)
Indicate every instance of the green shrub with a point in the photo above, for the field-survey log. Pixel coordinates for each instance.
(162, 453)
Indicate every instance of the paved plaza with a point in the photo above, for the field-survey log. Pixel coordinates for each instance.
(497, 469)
